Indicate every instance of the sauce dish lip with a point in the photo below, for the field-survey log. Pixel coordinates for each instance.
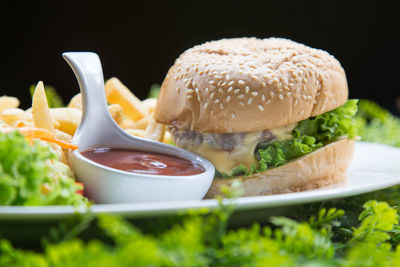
(207, 165)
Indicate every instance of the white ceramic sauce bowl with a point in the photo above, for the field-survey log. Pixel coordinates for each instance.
(97, 129)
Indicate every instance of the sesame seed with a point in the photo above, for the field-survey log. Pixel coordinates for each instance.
(250, 100)
(304, 97)
(227, 77)
(247, 89)
(280, 96)
(269, 101)
(217, 77)
(254, 77)
(236, 91)
(205, 105)
(270, 82)
(212, 95)
(231, 83)
(305, 80)
(223, 84)
(240, 96)
(224, 72)
(197, 90)
(216, 101)
(220, 91)
(207, 90)
(211, 112)
(286, 88)
(261, 108)
(230, 89)
(291, 84)
(228, 98)
(211, 82)
(264, 84)
(241, 82)
(288, 93)
(189, 96)
(295, 102)
(241, 103)
(219, 83)
(198, 98)
(309, 97)
(233, 115)
(189, 91)
(221, 106)
(263, 97)
(254, 93)
(271, 94)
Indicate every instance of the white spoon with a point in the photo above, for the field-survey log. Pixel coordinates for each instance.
(98, 129)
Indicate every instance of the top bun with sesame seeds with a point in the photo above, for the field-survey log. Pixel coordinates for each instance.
(249, 84)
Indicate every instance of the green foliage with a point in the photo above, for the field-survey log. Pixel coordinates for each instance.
(376, 124)
(54, 100)
(25, 169)
(154, 91)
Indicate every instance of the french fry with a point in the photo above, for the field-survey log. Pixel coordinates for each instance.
(63, 136)
(68, 119)
(116, 112)
(167, 137)
(118, 93)
(76, 102)
(40, 109)
(136, 132)
(155, 131)
(143, 122)
(150, 104)
(12, 115)
(7, 102)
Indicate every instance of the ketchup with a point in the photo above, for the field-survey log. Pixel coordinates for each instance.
(143, 162)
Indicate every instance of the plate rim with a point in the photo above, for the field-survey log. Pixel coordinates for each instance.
(156, 209)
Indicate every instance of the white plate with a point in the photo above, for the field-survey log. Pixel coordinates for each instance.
(374, 167)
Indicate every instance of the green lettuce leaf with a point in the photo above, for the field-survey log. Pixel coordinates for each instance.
(30, 175)
(309, 135)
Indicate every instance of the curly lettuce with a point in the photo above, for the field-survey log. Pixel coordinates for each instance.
(31, 175)
(309, 135)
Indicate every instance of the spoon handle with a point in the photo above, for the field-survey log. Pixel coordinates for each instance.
(88, 71)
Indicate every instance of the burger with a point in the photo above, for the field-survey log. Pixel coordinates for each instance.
(272, 113)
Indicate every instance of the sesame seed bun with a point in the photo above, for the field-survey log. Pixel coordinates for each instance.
(249, 84)
(323, 167)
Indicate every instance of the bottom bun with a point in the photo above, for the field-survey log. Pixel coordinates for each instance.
(323, 167)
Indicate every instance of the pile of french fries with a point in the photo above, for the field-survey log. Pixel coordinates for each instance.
(130, 113)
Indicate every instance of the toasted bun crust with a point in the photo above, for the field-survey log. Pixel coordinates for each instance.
(320, 168)
(219, 85)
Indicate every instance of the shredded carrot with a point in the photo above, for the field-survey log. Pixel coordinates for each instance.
(21, 124)
(42, 134)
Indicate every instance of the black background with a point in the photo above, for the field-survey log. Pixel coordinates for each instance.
(138, 42)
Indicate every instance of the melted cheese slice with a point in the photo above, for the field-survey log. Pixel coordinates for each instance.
(242, 153)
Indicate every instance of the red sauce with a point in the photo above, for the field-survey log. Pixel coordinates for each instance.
(143, 162)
